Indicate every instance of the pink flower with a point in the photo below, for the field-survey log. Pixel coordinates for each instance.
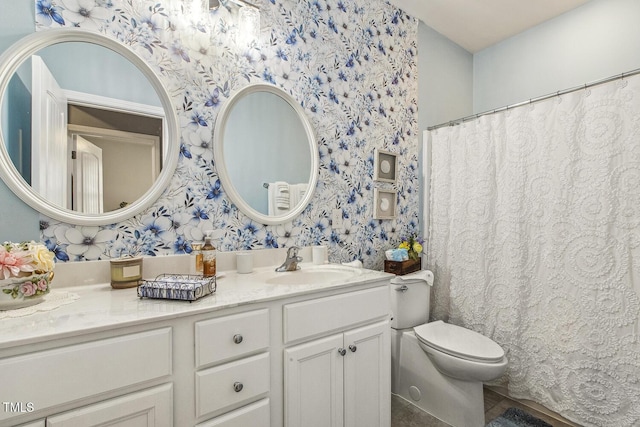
(12, 263)
(28, 289)
(42, 285)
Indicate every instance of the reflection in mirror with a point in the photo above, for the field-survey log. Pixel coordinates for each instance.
(266, 154)
(110, 115)
(278, 148)
(77, 156)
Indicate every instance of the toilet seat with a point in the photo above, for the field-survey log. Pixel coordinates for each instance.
(459, 342)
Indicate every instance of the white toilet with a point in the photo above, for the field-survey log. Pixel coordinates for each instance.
(437, 366)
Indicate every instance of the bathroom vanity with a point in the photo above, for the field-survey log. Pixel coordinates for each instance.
(267, 349)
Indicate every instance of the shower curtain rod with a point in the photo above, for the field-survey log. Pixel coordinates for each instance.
(532, 100)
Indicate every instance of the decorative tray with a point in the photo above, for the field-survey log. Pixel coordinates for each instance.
(183, 287)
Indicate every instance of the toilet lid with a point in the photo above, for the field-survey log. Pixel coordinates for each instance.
(458, 341)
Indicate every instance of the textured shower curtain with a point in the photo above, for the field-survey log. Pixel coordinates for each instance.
(535, 242)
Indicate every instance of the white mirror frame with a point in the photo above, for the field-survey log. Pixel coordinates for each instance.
(223, 174)
(14, 56)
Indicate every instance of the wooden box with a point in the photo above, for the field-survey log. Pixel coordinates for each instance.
(402, 267)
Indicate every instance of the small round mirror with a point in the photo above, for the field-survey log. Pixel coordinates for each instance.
(266, 154)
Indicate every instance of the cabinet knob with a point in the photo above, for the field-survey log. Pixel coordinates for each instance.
(237, 386)
(237, 338)
(342, 351)
(353, 348)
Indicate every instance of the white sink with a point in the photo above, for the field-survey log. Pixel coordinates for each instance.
(314, 275)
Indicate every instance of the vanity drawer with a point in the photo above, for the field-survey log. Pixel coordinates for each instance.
(254, 415)
(53, 377)
(232, 383)
(228, 337)
(323, 315)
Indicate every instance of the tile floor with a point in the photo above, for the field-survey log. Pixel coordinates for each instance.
(404, 414)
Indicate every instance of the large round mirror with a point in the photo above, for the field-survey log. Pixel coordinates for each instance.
(266, 154)
(87, 130)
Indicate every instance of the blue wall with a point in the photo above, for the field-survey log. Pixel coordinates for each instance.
(445, 81)
(16, 125)
(595, 41)
(19, 221)
(89, 68)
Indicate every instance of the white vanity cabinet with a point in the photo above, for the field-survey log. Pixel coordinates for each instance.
(343, 378)
(233, 369)
(96, 379)
(152, 407)
(253, 355)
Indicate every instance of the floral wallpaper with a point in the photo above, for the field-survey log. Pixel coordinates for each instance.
(352, 65)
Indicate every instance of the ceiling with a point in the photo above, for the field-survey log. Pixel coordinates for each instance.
(476, 24)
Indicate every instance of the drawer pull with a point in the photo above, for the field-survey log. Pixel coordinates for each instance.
(353, 348)
(342, 351)
(237, 338)
(237, 386)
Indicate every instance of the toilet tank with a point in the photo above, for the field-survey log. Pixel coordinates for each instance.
(410, 299)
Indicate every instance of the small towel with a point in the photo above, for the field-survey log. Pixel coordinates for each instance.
(297, 192)
(425, 275)
(279, 198)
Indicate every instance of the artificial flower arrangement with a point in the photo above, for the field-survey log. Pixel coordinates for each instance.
(413, 245)
(409, 249)
(26, 269)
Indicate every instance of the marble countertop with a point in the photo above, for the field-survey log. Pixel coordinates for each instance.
(100, 308)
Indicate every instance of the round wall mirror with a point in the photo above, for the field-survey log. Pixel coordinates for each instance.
(266, 154)
(87, 130)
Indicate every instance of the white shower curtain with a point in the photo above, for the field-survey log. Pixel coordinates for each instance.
(535, 242)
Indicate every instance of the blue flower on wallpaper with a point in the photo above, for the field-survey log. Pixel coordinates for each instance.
(215, 191)
(47, 13)
(178, 52)
(184, 151)
(213, 98)
(199, 213)
(350, 64)
(59, 252)
(268, 77)
(270, 241)
(180, 246)
(194, 121)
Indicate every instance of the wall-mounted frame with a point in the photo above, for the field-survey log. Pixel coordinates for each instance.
(384, 203)
(385, 166)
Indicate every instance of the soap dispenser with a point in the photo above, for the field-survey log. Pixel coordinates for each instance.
(208, 256)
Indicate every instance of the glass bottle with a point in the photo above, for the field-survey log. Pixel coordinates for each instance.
(197, 257)
(208, 257)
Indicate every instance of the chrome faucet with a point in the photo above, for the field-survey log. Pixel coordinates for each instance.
(291, 263)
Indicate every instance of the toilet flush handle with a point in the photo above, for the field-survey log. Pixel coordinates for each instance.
(403, 288)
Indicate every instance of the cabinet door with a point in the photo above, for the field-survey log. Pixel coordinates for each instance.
(148, 408)
(314, 384)
(367, 376)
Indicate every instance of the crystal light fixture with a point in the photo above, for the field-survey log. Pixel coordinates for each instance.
(197, 10)
(248, 24)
